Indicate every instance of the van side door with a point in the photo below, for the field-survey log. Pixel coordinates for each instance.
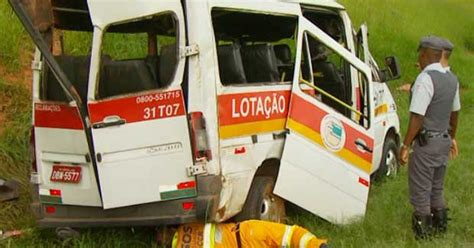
(327, 157)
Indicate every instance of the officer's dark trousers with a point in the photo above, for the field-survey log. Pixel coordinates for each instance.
(426, 171)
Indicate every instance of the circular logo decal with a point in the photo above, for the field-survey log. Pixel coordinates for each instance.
(333, 133)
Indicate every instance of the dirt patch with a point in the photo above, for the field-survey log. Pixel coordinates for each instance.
(22, 76)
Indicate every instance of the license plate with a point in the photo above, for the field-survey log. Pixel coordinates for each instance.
(66, 174)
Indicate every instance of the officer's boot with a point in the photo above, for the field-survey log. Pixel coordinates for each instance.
(422, 225)
(440, 220)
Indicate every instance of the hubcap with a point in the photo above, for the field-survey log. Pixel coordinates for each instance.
(270, 209)
(392, 163)
(265, 208)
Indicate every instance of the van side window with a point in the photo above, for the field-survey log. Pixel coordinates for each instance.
(71, 50)
(323, 77)
(329, 22)
(138, 56)
(254, 48)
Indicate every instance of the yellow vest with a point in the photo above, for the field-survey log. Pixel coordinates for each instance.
(253, 233)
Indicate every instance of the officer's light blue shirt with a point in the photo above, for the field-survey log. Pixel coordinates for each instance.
(423, 90)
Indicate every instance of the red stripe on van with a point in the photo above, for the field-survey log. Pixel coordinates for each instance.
(311, 116)
(139, 108)
(253, 106)
(49, 115)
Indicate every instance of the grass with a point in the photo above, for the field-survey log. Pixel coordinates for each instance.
(13, 38)
(395, 27)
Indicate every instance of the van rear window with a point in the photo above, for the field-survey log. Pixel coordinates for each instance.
(254, 48)
(71, 49)
(137, 56)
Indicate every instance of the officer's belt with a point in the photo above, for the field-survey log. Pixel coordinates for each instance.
(437, 134)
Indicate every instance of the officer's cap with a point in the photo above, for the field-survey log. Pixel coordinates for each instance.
(432, 42)
(447, 44)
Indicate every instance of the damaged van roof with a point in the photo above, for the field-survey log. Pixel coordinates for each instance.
(322, 3)
(82, 15)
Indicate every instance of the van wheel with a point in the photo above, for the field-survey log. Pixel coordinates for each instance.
(389, 164)
(261, 203)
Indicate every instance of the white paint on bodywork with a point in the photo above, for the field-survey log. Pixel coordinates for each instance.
(331, 189)
(105, 12)
(202, 75)
(66, 146)
(332, 4)
(138, 157)
(383, 122)
(238, 171)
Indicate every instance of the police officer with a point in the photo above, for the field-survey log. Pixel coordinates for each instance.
(433, 120)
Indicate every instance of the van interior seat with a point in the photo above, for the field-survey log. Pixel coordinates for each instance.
(327, 77)
(231, 68)
(284, 61)
(152, 62)
(283, 54)
(76, 69)
(260, 63)
(125, 77)
(168, 60)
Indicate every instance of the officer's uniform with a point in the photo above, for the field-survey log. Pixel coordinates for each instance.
(435, 95)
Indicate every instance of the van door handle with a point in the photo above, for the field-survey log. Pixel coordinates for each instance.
(360, 143)
(109, 121)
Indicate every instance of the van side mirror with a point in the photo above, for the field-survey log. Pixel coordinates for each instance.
(392, 71)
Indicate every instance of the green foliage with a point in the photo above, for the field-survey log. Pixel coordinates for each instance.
(77, 43)
(118, 46)
(13, 37)
(396, 26)
(14, 159)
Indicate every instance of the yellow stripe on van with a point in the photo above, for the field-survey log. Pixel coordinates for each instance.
(250, 128)
(381, 109)
(316, 138)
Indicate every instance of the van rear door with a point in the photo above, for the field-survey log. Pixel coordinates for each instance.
(136, 103)
(327, 157)
(64, 168)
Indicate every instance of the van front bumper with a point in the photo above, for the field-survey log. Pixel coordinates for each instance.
(151, 214)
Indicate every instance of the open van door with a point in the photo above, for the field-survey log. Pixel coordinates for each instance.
(362, 46)
(63, 168)
(327, 157)
(136, 105)
(363, 52)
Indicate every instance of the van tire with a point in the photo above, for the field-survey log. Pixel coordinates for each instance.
(389, 163)
(261, 203)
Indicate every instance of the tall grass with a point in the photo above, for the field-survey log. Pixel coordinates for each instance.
(14, 157)
(13, 37)
(395, 27)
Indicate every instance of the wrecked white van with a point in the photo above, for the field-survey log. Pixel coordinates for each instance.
(167, 112)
